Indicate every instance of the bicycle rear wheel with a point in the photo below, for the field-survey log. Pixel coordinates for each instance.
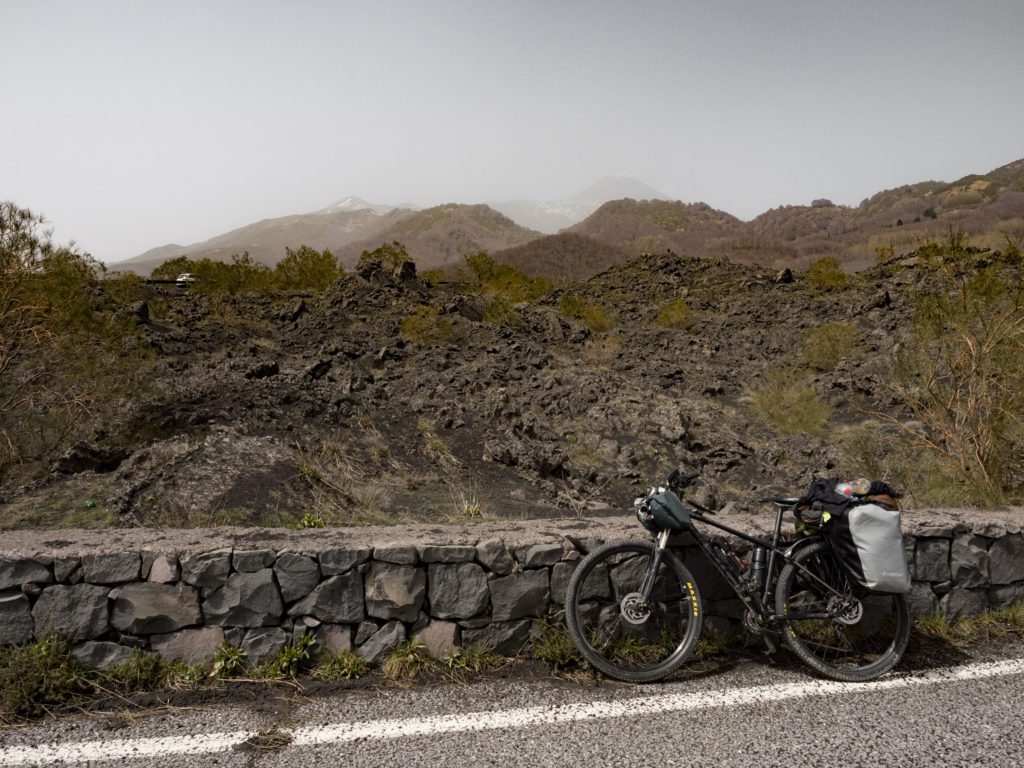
(868, 632)
(614, 631)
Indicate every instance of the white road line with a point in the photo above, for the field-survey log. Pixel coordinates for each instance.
(122, 749)
(636, 705)
(643, 704)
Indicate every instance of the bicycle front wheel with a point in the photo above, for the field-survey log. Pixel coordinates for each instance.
(865, 634)
(614, 630)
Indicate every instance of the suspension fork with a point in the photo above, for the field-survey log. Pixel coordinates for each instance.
(652, 571)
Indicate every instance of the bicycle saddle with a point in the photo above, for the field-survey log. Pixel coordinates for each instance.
(782, 501)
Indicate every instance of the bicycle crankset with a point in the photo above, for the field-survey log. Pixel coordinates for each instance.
(754, 622)
(633, 609)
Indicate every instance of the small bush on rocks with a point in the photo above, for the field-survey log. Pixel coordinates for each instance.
(553, 645)
(474, 659)
(827, 344)
(790, 406)
(39, 678)
(874, 449)
(594, 316)
(826, 274)
(408, 661)
(389, 256)
(142, 671)
(424, 326)
(228, 662)
(500, 311)
(346, 665)
(991, 625)
(290, 660)
(961, 375)
(485, 275)
(675, 315)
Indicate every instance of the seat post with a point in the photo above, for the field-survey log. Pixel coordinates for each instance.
(778, 526)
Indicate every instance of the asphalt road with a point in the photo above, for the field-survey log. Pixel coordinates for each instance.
(748, 714)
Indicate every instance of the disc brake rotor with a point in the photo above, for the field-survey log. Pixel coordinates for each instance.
(633, 610)
(847, 611)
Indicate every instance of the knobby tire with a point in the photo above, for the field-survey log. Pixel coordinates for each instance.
(644, 649)
(866, 646)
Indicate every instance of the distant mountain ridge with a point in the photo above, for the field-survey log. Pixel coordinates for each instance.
(266, 240)
(441, 236)
(990, 206)
(554, 216)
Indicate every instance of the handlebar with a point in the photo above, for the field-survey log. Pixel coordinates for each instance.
(677, 481)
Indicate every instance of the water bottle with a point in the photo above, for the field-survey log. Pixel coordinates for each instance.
(758, 564)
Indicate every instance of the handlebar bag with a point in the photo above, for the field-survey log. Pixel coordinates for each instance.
(868, 541)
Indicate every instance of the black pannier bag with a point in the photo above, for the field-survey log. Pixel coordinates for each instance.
(866, 534)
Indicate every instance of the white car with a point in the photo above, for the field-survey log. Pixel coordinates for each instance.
(185, 279)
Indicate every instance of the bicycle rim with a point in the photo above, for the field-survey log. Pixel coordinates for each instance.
(618, 635)
(868, 633)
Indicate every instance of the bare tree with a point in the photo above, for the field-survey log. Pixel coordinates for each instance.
(33, 329)
(963, 376)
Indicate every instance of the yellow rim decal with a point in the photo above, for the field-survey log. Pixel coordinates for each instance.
(693, 596)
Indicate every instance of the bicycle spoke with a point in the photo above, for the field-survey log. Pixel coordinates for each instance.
(616, 630)
(862, 633)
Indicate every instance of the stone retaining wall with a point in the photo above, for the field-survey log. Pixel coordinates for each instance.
(450, 587)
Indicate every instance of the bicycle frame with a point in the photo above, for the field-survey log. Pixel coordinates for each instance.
(760, 604)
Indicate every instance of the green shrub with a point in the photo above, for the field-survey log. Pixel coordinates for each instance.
(675, 315)
(40, 678)
(389, 256)
(124, 287)
(426, 327)
(962, 374)
(553, 645)
(571, 306)
(990, 626)
(143, 671)
(826, 274)
(790, 406)
(435, 277)
(594, 316)
(346, 665)
(886, 452)
(887, 251)
(311, 520)
(171, 268)
(475, 660)
(307, 269)
(228, 662)
(66, 351)
(303, 269)
(500, 311)
(290, 660)
(1011, 249)
(827, 344)
(408, 660)
(485, 275)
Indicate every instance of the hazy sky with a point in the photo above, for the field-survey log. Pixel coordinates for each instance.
(134, 124)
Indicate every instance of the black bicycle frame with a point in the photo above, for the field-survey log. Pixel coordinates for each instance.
(760, 604)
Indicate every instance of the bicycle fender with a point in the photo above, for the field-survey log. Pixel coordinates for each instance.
(796, 546)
